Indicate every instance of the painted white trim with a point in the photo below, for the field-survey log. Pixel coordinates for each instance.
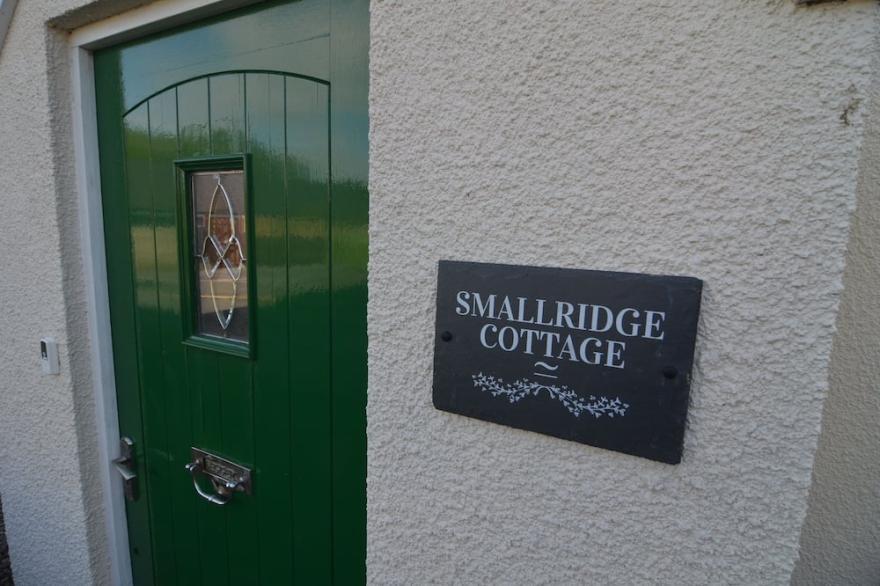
(85, 141)
(7, 7)
(159, 15)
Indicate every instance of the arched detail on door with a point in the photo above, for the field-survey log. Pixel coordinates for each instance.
(260, 397)
(219, 93)
(211, 114)
(208, 76)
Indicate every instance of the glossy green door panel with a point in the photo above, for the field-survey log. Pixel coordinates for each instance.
(349, 80)
(283, 83)
(265, 139)
(308, 249)
(266, 134)
(290, 37)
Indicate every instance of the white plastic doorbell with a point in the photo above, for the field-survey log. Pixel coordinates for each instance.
(49, 356)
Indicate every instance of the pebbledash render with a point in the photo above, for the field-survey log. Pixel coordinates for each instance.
(734, 142)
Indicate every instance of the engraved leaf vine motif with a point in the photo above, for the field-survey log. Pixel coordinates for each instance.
(576, 405)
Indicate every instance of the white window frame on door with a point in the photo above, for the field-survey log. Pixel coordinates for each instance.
(82, 42)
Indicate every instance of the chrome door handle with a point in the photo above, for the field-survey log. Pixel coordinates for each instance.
(226, 476)
(195, 468)
(127, 468)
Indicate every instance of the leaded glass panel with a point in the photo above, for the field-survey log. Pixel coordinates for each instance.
(220, 249)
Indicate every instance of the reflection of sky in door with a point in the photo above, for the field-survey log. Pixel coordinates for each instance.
(286, 36)
(290, 37)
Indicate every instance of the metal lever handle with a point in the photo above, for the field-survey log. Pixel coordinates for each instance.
(195, 468)
(122, 466)
(126, 467)
(226, 476)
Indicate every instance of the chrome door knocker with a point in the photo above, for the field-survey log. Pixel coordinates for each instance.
(226, 477)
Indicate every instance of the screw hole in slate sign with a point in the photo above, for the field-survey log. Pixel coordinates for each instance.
(597, 357)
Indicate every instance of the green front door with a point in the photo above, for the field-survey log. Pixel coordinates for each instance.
(233, 172)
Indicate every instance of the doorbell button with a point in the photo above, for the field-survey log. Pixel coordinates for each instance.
(49, 356)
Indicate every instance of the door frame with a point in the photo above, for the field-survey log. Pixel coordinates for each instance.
(82, 42)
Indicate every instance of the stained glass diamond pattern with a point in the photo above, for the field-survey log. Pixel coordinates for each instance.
(220, 252)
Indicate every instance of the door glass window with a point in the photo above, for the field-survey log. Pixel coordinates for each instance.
(220, 250)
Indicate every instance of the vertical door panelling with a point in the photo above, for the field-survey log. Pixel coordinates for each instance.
(203, 366)
(261, 92)
(173, 391)
(265, 142)
(138, 174)
(228, 127)
(117, 233)
(227, 113)
(307, 175)
(194, 120)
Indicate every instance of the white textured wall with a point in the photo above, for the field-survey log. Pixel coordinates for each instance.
(840, 540)
(718, 139)
(49, 484)
(45, 524)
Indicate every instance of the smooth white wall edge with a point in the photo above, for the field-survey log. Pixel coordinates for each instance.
(7, 8)
(94, 266)
(159, 15)
(840, 539)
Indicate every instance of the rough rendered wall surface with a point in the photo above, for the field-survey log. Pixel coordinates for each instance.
(52, 500)
(840, 541)
(45, 526)
(717, 139)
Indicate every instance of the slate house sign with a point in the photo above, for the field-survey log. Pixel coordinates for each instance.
(601, 358)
